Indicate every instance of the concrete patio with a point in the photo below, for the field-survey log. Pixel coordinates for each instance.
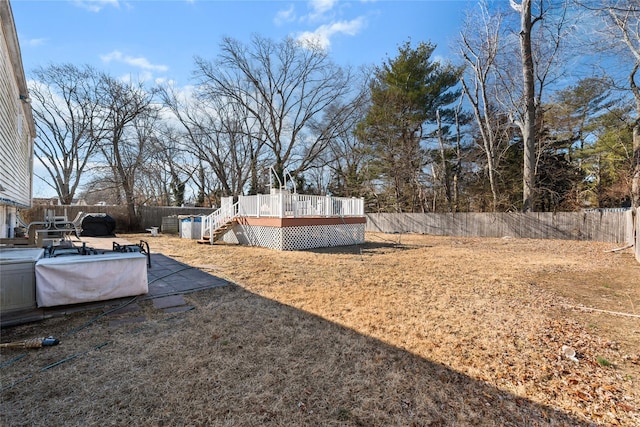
(168, 280)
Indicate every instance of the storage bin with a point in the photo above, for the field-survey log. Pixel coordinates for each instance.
(190, 228)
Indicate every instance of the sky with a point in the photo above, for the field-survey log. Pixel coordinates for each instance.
(156, 40)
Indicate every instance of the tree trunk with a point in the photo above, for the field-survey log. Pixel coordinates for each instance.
(446, 176)
(486, 132)
(201, 187)
(131, 206)
(253, 188)
(529, 120)
(458, 162)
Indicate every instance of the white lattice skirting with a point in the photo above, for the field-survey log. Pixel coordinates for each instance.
(297, 237)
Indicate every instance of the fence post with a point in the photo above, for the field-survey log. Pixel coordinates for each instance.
(636, 246)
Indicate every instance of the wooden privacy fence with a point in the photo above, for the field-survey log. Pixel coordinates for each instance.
(636, 246)
(600, 225)
(149, 216)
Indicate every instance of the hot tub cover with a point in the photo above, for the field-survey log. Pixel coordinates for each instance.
(79, 279)
(98, 225)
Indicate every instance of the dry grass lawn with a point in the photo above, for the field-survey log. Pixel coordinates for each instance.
(403, 330)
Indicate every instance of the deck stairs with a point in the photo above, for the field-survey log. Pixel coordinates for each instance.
(218, 223)
(219, 232)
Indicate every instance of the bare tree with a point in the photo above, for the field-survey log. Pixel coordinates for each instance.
(449, 164)
(64, 105)
(539, 55)
(480, 42)
(528, 123)
(129, 117)
(286, 87)
(222, 135)
(347, 156)
(169, 168)
(623, 17)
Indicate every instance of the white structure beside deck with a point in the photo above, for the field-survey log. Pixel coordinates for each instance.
(286, 221)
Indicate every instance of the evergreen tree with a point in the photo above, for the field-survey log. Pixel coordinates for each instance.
(406, 94)
(608, 162)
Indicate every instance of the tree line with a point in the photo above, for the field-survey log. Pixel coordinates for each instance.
(539, 111)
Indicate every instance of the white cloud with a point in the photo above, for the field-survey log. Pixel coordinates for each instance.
(321, 37)
(319, 10)
(321, 6)
(34, 42)
(139, 62)
(96, 5)
(285, 15)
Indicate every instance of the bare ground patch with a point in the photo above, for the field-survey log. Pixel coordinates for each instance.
(402, 330)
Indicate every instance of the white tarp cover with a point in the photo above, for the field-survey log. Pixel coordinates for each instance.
(78, 279)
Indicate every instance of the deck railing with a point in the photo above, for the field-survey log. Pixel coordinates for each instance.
(283, 205)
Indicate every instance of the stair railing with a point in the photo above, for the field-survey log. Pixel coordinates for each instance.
(217, 219)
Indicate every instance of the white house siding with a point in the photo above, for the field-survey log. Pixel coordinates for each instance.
(17, 129)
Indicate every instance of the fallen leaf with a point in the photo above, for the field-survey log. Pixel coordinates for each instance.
(625, 407)
(581, 395)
